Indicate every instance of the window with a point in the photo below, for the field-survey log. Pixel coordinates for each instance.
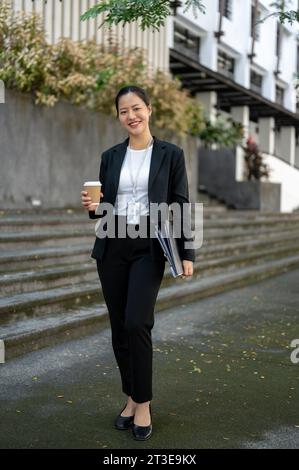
(255, 28)
(227, 8)
(186, 42)
(226, 64)
(256, 81)
(279, 95)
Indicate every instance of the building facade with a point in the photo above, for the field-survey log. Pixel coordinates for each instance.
(236, 63)
(233, 63)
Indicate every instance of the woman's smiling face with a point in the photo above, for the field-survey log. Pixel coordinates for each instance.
(133, 113)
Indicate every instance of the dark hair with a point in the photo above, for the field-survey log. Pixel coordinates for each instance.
(132, 89)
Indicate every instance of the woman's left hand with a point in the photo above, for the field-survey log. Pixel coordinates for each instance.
(188, 269)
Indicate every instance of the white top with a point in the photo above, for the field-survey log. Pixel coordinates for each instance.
(125, 189)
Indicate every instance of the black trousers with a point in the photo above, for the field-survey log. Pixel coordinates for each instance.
(130, 281)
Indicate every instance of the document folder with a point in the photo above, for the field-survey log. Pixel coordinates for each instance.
(170, 248)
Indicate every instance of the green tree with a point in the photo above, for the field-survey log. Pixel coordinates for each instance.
(152, 13)
(285, 15)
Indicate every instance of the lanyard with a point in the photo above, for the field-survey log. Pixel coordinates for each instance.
(134, 183)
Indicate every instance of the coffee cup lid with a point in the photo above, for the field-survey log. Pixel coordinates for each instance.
(92, 183)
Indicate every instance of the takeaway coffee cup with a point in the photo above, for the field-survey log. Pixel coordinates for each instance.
(93, 189)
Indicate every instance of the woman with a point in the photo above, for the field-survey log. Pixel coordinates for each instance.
(134, 173)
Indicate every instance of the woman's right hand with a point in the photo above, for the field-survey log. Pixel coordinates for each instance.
(86, 201)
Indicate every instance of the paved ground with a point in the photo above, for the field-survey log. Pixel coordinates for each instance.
(223, 378)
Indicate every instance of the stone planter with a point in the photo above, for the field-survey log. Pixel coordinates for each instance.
(216, 174)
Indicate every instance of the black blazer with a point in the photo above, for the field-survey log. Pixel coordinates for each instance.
(167, 183)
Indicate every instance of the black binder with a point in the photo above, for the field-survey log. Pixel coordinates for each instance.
(170, 248)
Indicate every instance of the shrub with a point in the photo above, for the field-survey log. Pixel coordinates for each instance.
(87, 74)
(225, 132)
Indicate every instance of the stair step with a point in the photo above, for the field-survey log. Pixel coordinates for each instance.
(45, 278)
(56, 298)
(33, 221)
(207, 286)
(60, 238)
(46, 238)
(62, 275)
(41, 257)
(213, 235)
(44, 301)
(23, 335)
(48, 256)
(247, 245)
(246, 214)
(50, 287)
(253, 222)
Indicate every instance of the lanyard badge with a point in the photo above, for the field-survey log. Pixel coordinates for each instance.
(134, 207)
(133, 211)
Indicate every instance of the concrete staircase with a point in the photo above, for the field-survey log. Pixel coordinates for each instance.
(49, 285)
(210, 201)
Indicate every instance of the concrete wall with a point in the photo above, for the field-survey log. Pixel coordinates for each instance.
(47, 153)
(217, 169)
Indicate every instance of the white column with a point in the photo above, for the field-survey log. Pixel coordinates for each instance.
(208, 50)
(269, 86)
(288, 144)
(241, 114)
(267, 135)
(297, 156)
(208, 99)
(242, 71)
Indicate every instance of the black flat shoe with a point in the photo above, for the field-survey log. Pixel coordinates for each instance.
(123, 422)
(142, 433)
